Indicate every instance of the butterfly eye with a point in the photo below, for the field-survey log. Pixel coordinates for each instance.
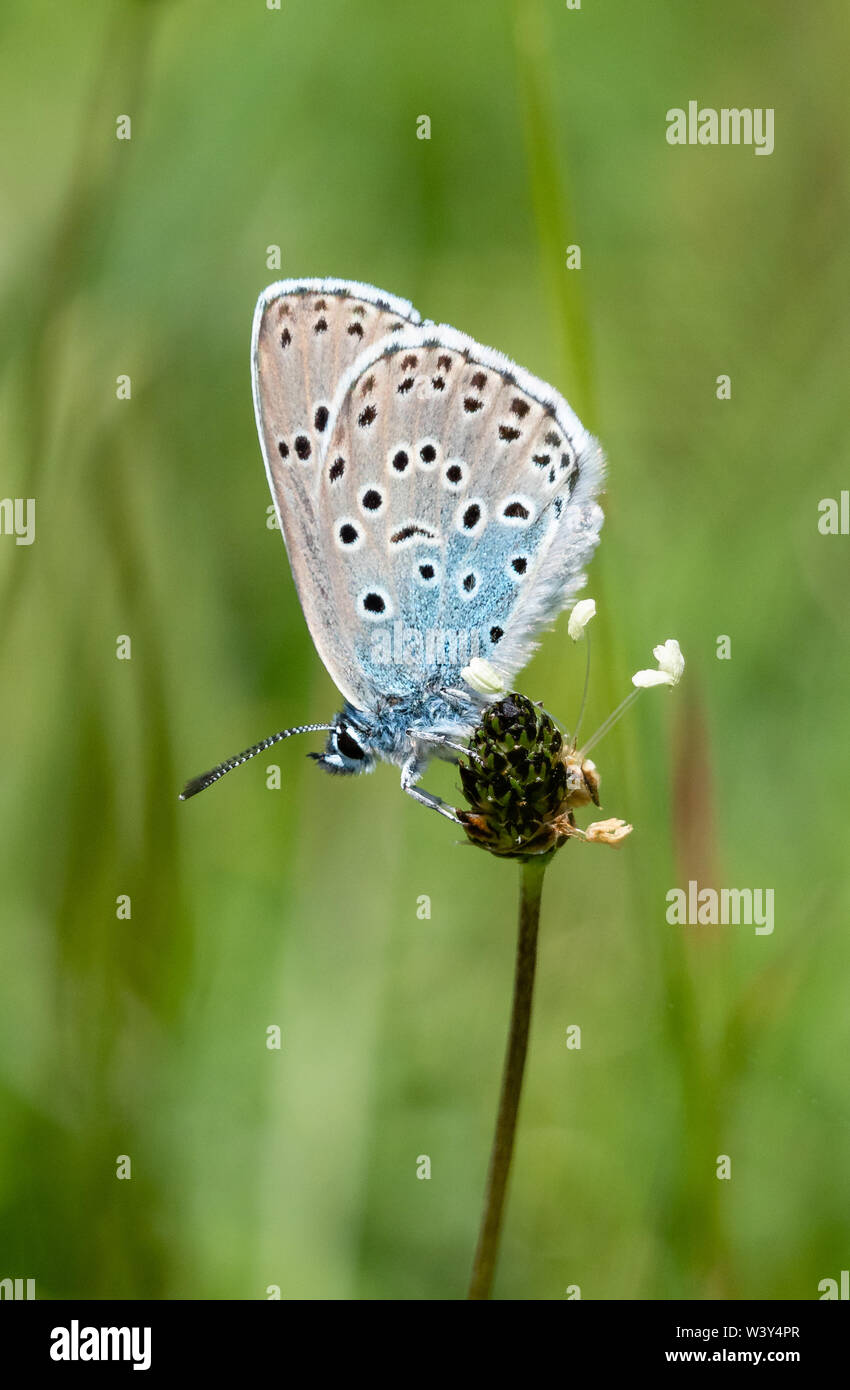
(346, 745)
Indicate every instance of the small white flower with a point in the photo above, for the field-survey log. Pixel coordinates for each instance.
(671, 664)
(581, 615)
(483, 677)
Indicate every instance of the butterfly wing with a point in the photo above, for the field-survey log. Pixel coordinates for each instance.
(306, 334)
(460, 495)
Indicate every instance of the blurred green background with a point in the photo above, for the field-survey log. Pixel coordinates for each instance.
(297, 907)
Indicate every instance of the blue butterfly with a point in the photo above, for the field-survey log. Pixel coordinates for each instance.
(438, 504)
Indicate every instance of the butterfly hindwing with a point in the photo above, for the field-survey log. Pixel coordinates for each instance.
(307, 334)
(458, 497)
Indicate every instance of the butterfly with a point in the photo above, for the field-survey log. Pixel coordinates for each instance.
(438, 504)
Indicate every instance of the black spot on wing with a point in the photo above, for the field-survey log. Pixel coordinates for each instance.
(406, 533)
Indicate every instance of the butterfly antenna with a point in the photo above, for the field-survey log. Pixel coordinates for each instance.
(206, 779)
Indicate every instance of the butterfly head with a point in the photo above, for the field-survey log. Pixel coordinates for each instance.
(345, 751)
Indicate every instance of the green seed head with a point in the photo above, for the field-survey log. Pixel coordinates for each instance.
(522, 781)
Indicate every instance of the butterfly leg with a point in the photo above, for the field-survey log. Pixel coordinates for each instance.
(443, 742)
(410, 774)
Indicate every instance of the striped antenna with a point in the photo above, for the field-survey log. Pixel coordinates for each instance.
(206, 779)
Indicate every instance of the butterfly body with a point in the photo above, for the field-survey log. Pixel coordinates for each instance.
(438, 504)
(400, 731)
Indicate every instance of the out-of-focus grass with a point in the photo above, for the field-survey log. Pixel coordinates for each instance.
(298, 907)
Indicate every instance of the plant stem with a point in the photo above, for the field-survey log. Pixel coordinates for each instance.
(486, 1254)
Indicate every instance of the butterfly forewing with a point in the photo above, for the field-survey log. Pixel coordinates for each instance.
(306, 336)
(457, 493)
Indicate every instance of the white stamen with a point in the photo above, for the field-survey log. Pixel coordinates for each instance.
(581, 615)
(483, 677)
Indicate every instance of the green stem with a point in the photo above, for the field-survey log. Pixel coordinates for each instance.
(486, 1254)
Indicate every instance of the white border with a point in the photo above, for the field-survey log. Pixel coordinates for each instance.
(429, 334)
